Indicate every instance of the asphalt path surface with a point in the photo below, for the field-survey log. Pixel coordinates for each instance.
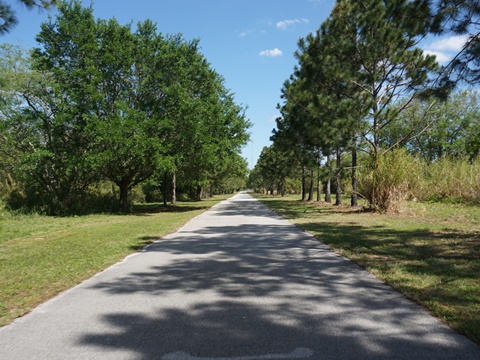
(236, 283)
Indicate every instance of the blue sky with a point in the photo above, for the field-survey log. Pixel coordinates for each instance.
(249, 42)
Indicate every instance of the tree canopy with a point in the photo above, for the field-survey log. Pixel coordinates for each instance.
(363, 84)
(102, 101)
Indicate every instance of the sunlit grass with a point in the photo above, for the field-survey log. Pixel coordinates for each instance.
(41, 256)
(429, 252)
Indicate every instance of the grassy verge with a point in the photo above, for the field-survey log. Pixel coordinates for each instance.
(42, 256)
(429, 252)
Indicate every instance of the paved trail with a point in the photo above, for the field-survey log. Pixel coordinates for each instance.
(236, 283)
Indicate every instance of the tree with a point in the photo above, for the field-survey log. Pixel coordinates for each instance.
(271, 171)
(205, 128)
(105, 102)
(145, 102)
(13, 64)
(378, 40)
(39, 133)
(454, 129)
(333, 109)
(127, 128)
(460, 17)
(8, 16)
(295, 135)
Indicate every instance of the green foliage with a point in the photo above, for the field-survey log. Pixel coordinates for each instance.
(442, 129)
(272, 170)
(103, 102)
(343, 94)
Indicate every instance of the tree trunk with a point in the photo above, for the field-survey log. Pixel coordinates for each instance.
(174, 188)
(354, 201)
(338, 176)
(198, 196)
(165, 179)
(319, 182)
(328, 197)
(310, 192)
(123, 186)
(304, 185)
(376, 164)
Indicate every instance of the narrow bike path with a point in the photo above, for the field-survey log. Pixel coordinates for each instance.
(236, 283)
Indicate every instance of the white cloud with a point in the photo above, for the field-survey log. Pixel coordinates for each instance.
(442, 58)
(285, 24)
(272, 52)
(445, 49)
(452, 43)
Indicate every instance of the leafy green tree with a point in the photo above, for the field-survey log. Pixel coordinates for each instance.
(255, 180)
(38, 135)
(453, 131)
(71, 56)
(295, 134)
(205, 128)
(145, 103)
(127, 127)
(104, 102)
(13, 65)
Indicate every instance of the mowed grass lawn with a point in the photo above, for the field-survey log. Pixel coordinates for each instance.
(41, 256)
(429, 252)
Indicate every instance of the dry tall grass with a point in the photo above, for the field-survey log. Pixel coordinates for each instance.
(401, 177)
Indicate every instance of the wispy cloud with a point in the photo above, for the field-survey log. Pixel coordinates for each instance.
(441, 58)
(445, 49)
(245, 33)
(257, 28)
(285, 24)
(272, 52)
(452, 43)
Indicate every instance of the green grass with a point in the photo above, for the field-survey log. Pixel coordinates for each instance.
(429, 252)
(41, 256)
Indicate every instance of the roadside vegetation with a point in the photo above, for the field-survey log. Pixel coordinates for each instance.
(376, 150)
(42, 256)
(99, 110)
(366, 112)
(111, 136)
(430, 251)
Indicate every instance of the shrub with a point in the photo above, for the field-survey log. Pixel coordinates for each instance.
(396, 179)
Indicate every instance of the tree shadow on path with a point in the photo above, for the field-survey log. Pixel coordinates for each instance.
(252, 290)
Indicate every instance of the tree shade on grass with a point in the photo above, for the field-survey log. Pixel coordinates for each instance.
(42, 256)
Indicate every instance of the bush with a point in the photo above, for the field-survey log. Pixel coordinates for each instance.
(396, 179)
(153, 191)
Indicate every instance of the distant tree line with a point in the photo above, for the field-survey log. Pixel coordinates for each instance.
(98, 102)
(362, 91)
